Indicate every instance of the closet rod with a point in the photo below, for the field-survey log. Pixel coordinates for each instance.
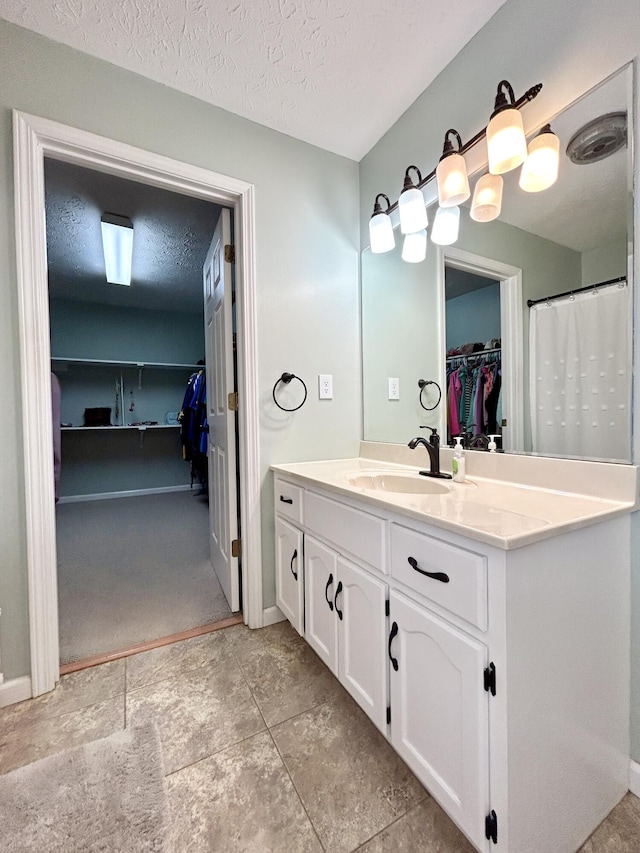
(610, 281)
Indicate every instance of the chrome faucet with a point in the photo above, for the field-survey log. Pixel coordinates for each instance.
(433, 448)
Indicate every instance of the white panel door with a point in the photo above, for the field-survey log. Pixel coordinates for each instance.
(439, 711)
(290, 573)
(223, 513)
(362, 656)
(320, 584)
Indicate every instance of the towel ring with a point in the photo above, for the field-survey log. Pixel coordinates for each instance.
(286, 378)
(422, 384)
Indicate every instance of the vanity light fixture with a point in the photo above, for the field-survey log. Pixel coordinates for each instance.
(414, 247)
(451, 174)
(506, 142)
(117, 245)
(411, 206)
(540, 169)
(446, 226)
(380, 227)
(487, 198)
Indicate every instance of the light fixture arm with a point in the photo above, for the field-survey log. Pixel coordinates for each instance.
(408, 183)
(529, 95)
(448, 148)
(377, 207)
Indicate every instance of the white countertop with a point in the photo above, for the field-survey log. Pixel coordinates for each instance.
(501, 513)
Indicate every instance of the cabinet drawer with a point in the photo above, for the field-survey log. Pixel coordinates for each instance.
(465, 591)
(288, 500)
(352, 531)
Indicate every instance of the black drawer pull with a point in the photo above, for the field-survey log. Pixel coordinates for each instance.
(326, 590)
(338, 591)
(394, 661)
(293, 571)
(286, 500)
(437, 576)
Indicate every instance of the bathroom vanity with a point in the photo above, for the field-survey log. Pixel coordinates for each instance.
(482, 626)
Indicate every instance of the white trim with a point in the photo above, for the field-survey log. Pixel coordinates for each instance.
(132, 493)
(511, 322)
(271, 615)
(35, 138)
(634, 777)
(15, 690)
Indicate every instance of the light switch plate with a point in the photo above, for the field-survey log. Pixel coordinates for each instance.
(394, 389)
(325, 386)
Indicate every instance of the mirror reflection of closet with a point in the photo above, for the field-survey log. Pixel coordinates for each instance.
(473, 356)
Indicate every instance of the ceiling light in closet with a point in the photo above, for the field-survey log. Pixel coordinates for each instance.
(117, 245)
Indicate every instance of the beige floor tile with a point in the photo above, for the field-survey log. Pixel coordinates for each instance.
(240, 799)
(74, 691)
(168, 661)
(351, 782)
(287, 680)
(197, 713)
(244, 640)
(24, 739)
(619, 832)
(425, 829)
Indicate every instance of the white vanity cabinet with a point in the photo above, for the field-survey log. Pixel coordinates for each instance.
(499, 674)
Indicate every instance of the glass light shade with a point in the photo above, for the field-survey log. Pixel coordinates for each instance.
(487, 198)
(540, 169)
(412, 210)
(446, 226)
(117, 245)
(414, 248)
(506, 142)
(453, 183)
(381, 234)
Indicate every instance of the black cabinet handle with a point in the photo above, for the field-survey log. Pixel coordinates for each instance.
(394, 661)
(286, 500)
(293, 571)
(437, 576)
(326, 590)
(338, 591)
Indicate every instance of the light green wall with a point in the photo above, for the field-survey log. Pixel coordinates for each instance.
(569, 47)
(604, 262)
(306, 255)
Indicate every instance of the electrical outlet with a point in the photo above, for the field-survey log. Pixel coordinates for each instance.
(394, 389)
(325, 386)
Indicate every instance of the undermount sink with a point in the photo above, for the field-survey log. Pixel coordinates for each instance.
(398, 483)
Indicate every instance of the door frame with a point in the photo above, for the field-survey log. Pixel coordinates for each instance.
(511, 330)
(34, 139)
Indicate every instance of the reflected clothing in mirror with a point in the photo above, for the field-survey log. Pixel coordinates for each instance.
(474, 402)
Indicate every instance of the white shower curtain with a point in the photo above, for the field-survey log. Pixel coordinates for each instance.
(580, 374)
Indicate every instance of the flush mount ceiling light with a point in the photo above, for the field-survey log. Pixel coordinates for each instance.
(540, 169)
(599, 138)
(506, 142)
(411, 206)
(117, 245)
(453, 182)
(380, 227)
(451, 174)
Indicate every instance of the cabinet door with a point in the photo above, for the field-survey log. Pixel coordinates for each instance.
(320, 583)
(290, 573)
(439, 711)
(362, 661)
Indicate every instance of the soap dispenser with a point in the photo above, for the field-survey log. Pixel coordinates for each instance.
(492, 443)
(458, 464)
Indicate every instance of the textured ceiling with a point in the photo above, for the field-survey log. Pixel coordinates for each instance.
(335, 73)
(171, 235)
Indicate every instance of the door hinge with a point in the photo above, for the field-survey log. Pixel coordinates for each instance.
(232, 401)
(491, 827)
(503, 422)
(236, 548)
(387, 608)
(229, 254)
(388, 715)
(490, 679)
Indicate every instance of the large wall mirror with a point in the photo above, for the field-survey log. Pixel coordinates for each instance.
(558, 372)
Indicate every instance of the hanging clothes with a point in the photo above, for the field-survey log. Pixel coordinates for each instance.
(195, 427)
(473, 394)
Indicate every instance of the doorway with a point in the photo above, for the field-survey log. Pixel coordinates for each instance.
(35, 138)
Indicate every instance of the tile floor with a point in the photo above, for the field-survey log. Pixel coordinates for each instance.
(263, 750)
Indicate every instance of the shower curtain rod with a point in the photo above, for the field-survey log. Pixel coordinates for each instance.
(598, 284)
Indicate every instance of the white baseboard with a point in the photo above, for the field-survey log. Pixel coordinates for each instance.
(133, 493)
(271, 615)
(15, 690)
(634, 778)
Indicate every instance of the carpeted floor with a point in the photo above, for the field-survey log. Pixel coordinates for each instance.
(132, 570)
